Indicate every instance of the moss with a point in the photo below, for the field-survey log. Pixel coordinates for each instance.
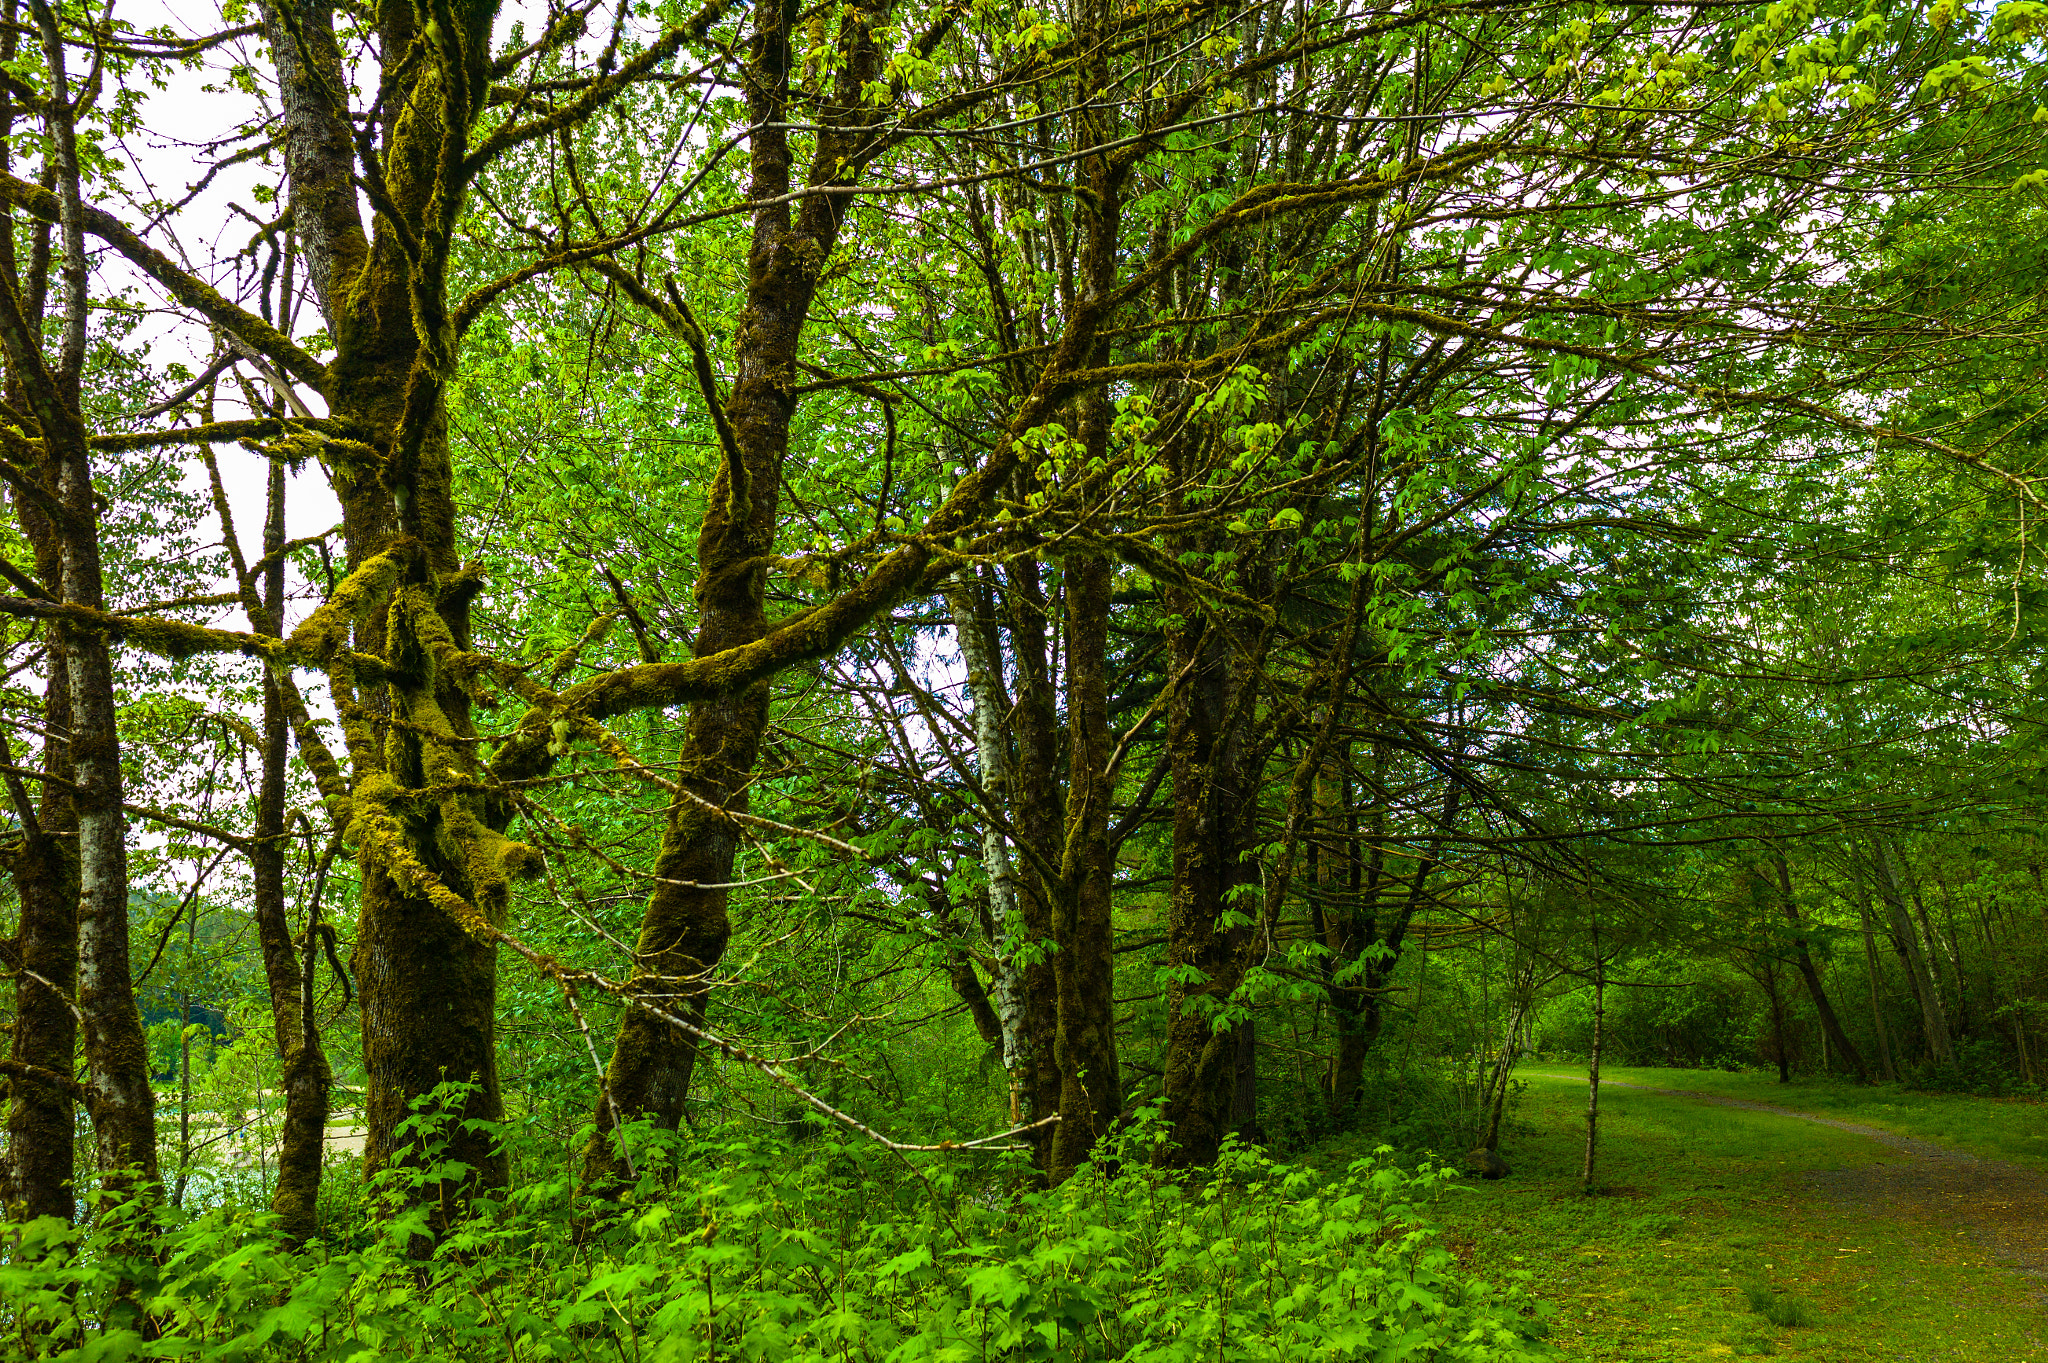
(326, 631)
(381, 834)
(567, 658)
(177, 640)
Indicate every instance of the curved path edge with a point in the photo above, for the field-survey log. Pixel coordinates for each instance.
(2003, 1205)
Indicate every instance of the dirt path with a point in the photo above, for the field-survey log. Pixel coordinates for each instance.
(2003, 1206)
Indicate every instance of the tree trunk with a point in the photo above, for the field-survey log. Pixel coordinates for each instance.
(1884, 1043)
(1503, 1072)
(1593, 1071)
(1244, 1087)
(1039, 814)
(1768, 976)
(432, 873)
(41, 1154)
(1356, 1014)
(1206, 932)
(1885, 867)
(123, 1104)
(1084, 1047)
(1831, 1026)
(307, 1080)
(684, 930)
(36, 1179)
(975, 630)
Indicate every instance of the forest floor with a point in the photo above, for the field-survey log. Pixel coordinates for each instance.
(1736, 1217)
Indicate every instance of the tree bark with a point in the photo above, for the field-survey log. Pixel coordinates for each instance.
(1884, 865)
(307, 1079)
(1212, 813)
(1767, 974)
(1039, 814)
(431, 872)
(1809, 972)
(36, 1179)
(684, 929)
(1593, 1069)
(975, 632)
(123, 1104)
(1084, 1046)
(1884, 1043)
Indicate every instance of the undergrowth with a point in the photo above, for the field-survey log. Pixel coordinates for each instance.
(735, 1250)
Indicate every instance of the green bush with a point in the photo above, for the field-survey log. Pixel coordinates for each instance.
(745, 1251)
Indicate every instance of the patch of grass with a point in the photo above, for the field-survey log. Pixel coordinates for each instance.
(1996, 1128)
(1782, 1311)
(1697, 1202)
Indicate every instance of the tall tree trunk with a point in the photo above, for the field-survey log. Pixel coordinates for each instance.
(1809, 972)
(1593, 1069)
(1937, 949)
(36, 1179)
(122, 1103)
(1084, 1047)
(684, 929)
(432, 873)
(974, 628)
(41, 1154)
(1211, 816)
(1356, 1012)
(1039, 814)
(1870, 966)
(307, 1079)
(1244, 1083)
(1496, 1098)
(1378, 950)
(1884, 866)
(1767, 975)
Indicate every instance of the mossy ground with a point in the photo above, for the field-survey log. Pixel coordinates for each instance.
(1703, 1216)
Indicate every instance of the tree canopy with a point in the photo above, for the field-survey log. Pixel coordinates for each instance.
(1015, 584)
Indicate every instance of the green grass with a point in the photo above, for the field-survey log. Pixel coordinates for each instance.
(1996, 1128)
(1703, 1241)
(1780, 1310)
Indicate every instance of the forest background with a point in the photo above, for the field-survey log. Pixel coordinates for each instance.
(921, 588)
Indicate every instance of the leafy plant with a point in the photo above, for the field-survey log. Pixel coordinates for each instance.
(736, 1250)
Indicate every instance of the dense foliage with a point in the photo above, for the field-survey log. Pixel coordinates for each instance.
(1063, 595)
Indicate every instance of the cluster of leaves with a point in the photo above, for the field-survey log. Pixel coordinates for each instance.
(737, 1250)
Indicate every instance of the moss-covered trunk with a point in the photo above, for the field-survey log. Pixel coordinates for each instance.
(429, 874)
(43, 957)
(1206, 929)
(686, 925)
(1084, 1046)
(41, 1148)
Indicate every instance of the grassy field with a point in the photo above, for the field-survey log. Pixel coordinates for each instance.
(1996, 1128)
(1704, 1243)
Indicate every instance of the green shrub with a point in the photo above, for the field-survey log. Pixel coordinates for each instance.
(747, 1251)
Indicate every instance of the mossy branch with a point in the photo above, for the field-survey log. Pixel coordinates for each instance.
(187, 288)
(326, 631)
(172, 639)
(569, 656)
